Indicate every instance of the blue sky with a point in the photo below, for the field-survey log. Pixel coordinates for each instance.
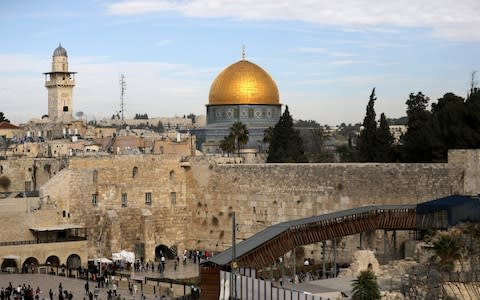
(325, 56)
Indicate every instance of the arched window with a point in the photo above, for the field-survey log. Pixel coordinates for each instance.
(134, 172)
(95, 175)
(172, 175)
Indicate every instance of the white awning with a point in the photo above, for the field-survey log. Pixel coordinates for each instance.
(103, 260)
(58, 227)
(11, 257)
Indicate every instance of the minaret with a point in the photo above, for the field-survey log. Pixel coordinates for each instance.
(59, 83)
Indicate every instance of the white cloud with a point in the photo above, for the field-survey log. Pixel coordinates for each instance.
(449, 19)
(320, 50)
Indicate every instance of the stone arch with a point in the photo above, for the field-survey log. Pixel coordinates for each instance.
(9, 264)
(168, 252)
(30, 265)
(74, 261)
(52, 261)
(172, 175)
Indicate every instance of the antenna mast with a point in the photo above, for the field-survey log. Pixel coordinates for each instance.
(123, 88)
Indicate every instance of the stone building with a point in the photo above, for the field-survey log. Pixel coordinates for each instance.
(59, 83)
(243, 92)
(10, 131)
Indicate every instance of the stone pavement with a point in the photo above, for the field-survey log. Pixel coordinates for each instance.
(151, 290)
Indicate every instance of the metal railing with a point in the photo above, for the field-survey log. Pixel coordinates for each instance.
(29, 242)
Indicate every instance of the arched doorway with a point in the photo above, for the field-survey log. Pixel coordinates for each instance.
(168, 252)
(9, 264)
(74, 261)
(52, 264)
(74, 264)
(30, 265)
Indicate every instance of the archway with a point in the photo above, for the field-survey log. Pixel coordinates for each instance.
(52, 264)
(73, 265)
(169, 253)
(9, 265)
(30, 265)
(74, 261)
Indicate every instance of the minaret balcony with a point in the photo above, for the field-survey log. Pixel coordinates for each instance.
(52, 83)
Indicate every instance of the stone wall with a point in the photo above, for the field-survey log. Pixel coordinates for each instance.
(37, 171)
(43, 251)
(18, 215)
(113, 226)
(192, 202)
(265, 194)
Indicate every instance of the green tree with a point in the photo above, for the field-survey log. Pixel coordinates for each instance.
(367, 141)
(384, 150)
(450, 126)
(3, 119)
(228, 144)
(239, 132)
(447, 248)
(347, 152)
(267, 135)
(473, 112)
(313, 142)
(307, 123)
(365, 287)
(418, 139)
(286, 145)
(193, 117)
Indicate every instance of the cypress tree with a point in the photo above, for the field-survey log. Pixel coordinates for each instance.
(384, 141)
(286, 145)
(418, 139)
(367, 141)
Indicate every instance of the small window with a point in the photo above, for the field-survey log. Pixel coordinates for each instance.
(95, 175)
(94, 199)
(148, 198)
(28, 186)
(124, 200)
(1, 169)
(173, 198)
(134, 172)
(172, 175)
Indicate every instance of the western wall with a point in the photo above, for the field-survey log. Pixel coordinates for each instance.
(192, 202)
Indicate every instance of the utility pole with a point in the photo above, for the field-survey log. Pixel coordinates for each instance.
(233, 281)
(123, 88)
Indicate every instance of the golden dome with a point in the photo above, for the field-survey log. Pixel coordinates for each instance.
(243, 83)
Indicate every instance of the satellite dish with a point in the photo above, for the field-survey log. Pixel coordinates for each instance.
(79, 114)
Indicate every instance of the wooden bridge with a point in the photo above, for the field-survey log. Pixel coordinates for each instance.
(263, 248)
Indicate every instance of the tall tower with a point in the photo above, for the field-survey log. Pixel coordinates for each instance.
(59, 83)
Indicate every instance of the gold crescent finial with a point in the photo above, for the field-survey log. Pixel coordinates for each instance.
(243, 52)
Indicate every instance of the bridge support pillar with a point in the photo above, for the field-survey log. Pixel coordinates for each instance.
(361, 240)
(394, 238)
(385, 246)
(294, 265)
(334, 258)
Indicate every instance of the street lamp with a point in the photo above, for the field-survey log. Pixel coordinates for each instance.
(234, 266)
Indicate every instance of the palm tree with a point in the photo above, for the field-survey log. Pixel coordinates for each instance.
(448, 249)
(240, 132)
(228, 144)
(365, 287)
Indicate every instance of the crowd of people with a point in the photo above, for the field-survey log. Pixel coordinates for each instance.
(26, 292)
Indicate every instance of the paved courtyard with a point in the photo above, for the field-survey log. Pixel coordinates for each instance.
(151, 290)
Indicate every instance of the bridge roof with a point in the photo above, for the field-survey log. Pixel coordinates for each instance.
(251, 244)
